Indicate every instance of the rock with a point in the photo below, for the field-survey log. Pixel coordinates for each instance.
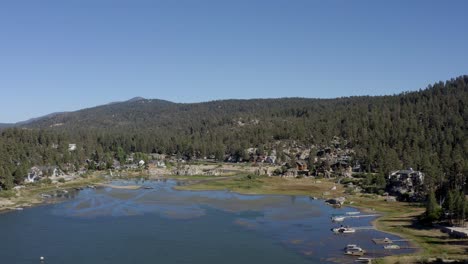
(337, 201)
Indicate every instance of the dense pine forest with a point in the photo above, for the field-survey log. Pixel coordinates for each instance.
(425, 130)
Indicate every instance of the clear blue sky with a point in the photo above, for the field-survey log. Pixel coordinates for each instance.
(67, 55)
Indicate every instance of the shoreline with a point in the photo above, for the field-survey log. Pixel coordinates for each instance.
(392, 212)
(397, 218)
(30, 196)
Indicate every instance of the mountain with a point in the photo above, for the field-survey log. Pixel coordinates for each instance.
(37, 119)
(424, 130)
(129, 113)
(313, 120)
(5, 125)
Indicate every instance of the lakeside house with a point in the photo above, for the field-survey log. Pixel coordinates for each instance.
(411, 177)
(407, 183)
(301, 165)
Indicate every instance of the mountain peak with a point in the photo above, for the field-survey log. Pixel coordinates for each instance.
(136, 99)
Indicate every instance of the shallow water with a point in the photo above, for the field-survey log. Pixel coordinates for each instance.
(162, 225)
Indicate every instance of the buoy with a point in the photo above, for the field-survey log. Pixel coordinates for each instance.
(41, 258)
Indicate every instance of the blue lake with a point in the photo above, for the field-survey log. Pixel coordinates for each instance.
(162, 225)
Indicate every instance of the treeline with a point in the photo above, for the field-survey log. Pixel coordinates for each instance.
(425, 130)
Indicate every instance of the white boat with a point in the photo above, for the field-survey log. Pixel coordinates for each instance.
(392, 246)
(338, 218)
(344, 230)
(357, 251)
(353, 213)
(351, 246)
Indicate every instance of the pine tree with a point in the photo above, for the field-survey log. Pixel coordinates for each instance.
(432, 208)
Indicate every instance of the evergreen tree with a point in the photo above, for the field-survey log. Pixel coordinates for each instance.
(432, 208)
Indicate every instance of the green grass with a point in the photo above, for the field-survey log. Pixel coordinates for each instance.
(7, 194)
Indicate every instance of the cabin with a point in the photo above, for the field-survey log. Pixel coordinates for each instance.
(409, 176)
(301, 165)
(407, 185)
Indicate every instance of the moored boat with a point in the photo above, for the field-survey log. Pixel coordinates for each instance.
(351, 246)
(392, 246)
(338, 218)
(355, 251)
(344, 230)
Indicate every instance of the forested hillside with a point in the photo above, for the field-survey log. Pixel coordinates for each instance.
(425, 130)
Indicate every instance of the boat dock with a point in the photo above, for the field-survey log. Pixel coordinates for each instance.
(339, 218)
(360, 216)
(382, 241)
(364, 228)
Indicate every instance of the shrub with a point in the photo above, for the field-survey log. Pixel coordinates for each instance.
(7, 193)
(350, 190)
(46, 181)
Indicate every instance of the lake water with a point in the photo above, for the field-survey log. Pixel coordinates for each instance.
(162, 225)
